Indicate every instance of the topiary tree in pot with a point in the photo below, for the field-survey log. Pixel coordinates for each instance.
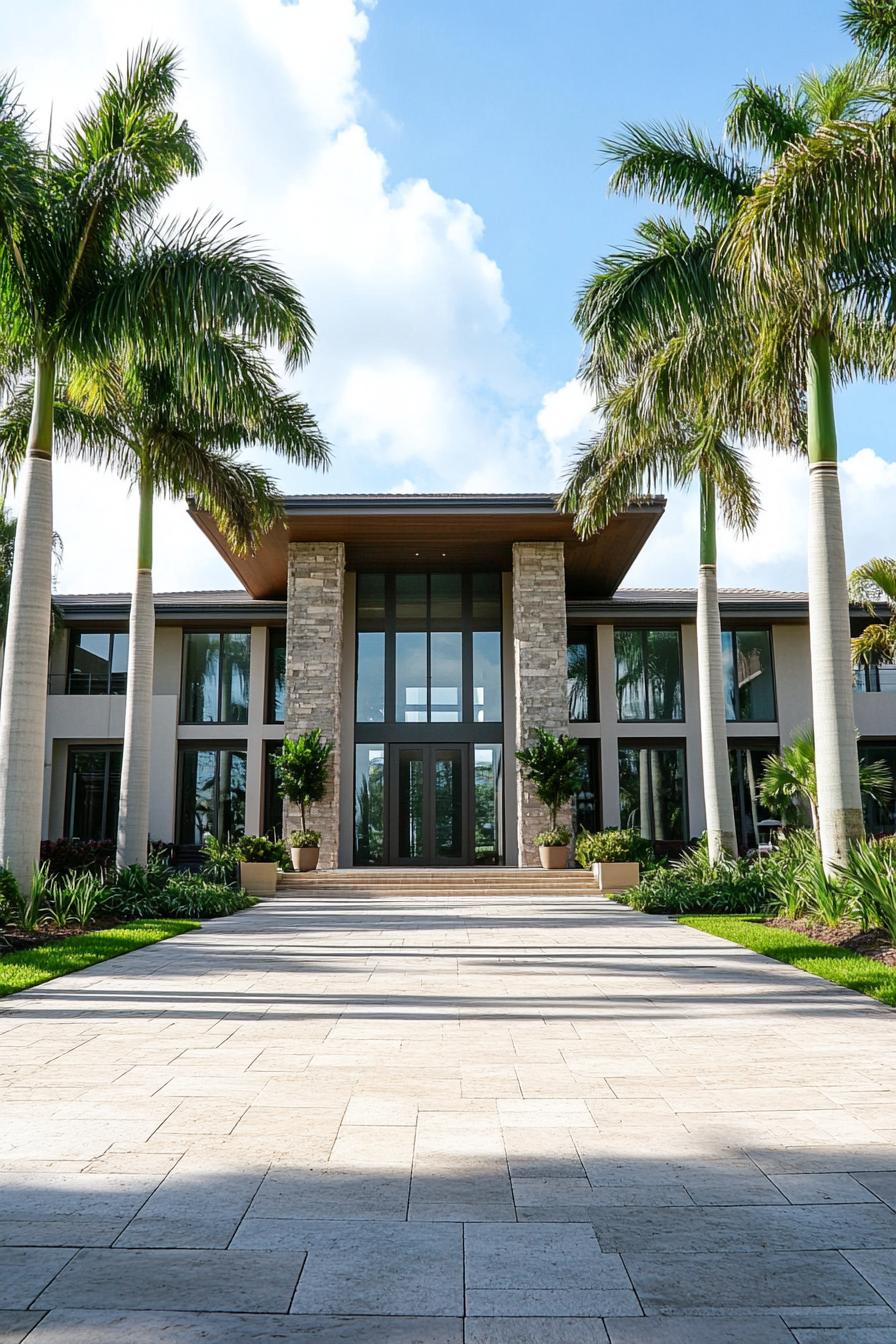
(302, 769)
(554, 766)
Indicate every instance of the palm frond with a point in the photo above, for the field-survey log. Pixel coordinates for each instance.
(766, 118)
(874, 582)
(676, 165)
(872, 25)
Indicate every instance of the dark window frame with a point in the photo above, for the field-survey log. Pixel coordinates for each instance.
(220, 631)
(276, 634)
(587, 635)
(735, 628)
(238, 744)
(770, 745)
(659, 744)
(592, 747)
(74, 636)
(108, 751)
(644, 631)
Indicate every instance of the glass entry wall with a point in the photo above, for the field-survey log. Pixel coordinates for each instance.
(428, 786)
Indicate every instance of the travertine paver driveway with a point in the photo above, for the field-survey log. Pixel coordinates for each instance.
(344, 1119)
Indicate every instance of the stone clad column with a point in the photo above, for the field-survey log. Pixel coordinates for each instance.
(539, 655)
(314, 603)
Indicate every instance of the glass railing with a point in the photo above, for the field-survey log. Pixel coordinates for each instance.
(87, 683)
(881, 677)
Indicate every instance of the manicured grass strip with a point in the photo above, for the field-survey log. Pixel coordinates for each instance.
(21, 970)
(829, 963)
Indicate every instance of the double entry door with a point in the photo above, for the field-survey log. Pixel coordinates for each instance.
(430, 816)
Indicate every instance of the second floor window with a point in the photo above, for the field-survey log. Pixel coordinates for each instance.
(276, 699)
(749, 683)
(216, 677)
(580, 675)
(648, 676)
(98, 662)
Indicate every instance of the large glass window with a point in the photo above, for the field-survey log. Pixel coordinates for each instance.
(411, 677)
(212, 793)
(216, 677)
(445, 676)
(273, 803)
(653, 791)
(370, 803)
(488, 804)
(586, 803)
(94, 781)
(371, 678)
(875, 677)
(580, 680)
(276, 700)
(648, 675)
(747, 762)
(98, 662)
(749, 683)
(487, 676)
(880, 818)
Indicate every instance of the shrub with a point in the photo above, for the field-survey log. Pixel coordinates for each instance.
(556, 838)
(219, 861)
(190, 896)
(72, 856)
(9, 895)
(301, 768)
(74, 899)
(871, 870)
(304, 839)
(30, 904)
(133, 892)
(779, 873)
(693, 885)
(613, 846)
(259, 849)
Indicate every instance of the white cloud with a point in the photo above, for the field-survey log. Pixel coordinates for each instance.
(566, 419)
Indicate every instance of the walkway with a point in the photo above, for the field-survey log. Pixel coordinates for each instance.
(360, 1118)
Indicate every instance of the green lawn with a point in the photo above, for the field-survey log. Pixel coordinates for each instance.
(830, 963)
(21, 970)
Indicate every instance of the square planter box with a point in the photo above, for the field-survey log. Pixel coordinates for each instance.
(259, 879)
(617, 876)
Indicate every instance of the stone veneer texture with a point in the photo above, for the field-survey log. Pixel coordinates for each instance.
(539, 655)
(314, 604)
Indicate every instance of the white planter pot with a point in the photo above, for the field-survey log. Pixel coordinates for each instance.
(304, 858)
(617, 876)
(553, 856)
(259, 879)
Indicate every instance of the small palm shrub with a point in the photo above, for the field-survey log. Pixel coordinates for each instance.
(871, 871)
(219, 861)
(613, 846)
(74, 899)
(780, 870)
(9, 896)
(30, 904)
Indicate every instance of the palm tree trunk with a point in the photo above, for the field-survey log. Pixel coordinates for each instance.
(23, 705)
(133, 807)
(836, 755)
(720, 827)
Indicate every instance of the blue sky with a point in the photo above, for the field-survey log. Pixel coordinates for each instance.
(429, 172)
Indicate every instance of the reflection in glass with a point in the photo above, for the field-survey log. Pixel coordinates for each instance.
(584, 803)
(579, 679)
(234, 678)
(276, 676)
(448, 797)
(631, 697)
(370, 807)
(487, 676)
(445, 597)
(664, 692)
(411, 701)
(446, 676)
(880, 818)
(371, 704)
(652, 796)
(212, 794)
(410, 804)
(410, 597)
(202, 656)
(488, 785)
(371, 597)
(746, 765)
(487, 597)
(93, 787)
(99, 663)
(749, 686)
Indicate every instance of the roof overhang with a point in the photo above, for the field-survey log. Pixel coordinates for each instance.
(440, 531)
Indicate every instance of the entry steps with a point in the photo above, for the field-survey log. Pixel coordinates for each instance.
(473, 882)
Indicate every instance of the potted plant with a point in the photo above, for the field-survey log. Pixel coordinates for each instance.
(614, 856)
(258, 858)
(553, 764)
(304, 849)
(301, 768)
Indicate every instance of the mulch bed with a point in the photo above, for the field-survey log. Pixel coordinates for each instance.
(848, 934)
(14, 940)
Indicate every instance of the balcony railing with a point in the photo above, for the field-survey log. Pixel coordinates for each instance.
(881, 677)
(87, 683)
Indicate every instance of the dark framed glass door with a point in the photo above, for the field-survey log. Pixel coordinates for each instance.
(430, 821)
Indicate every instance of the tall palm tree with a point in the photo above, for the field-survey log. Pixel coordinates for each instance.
(84, 268)
(167, 437)
(809, 246)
